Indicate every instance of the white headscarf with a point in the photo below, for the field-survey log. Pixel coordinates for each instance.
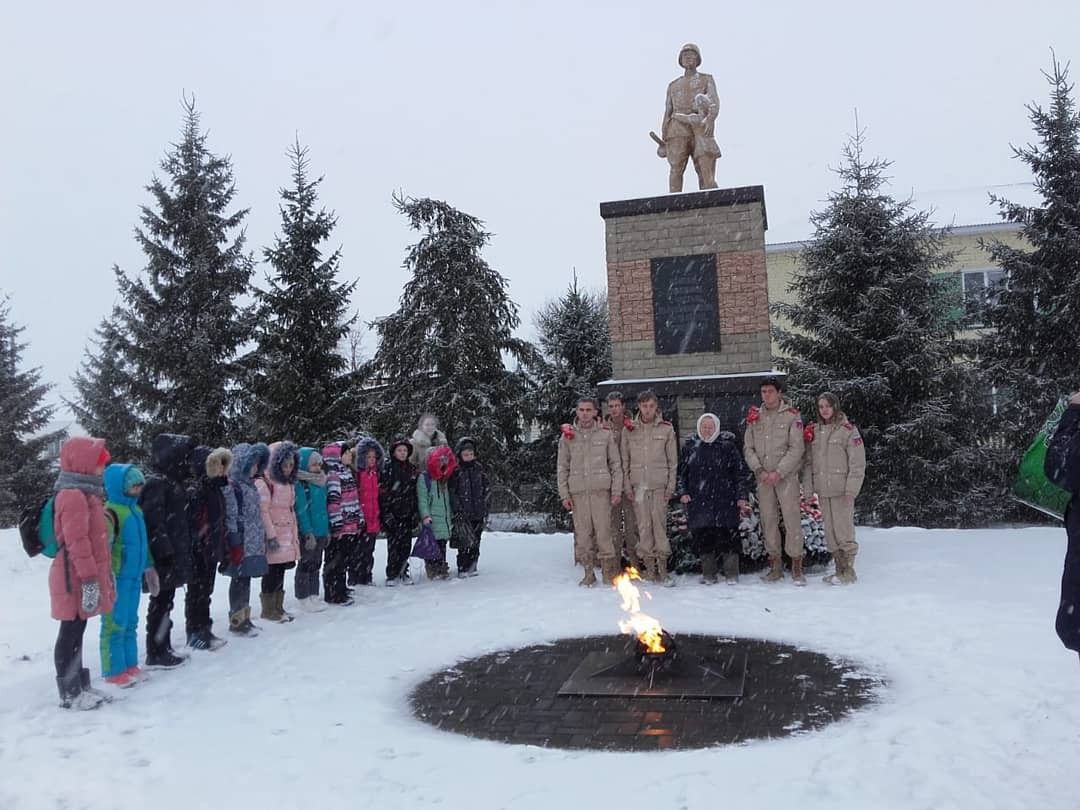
(716, 421)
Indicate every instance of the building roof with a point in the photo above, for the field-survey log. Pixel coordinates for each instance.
(958, 230)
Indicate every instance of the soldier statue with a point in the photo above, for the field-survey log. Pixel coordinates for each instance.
(689, 119)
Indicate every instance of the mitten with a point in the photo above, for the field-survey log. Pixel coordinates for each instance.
(310, 543)
(273, 544)
(153, 581)
(91, 595)
(236, 555)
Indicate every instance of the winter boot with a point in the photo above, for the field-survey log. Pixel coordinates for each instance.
(73, 697)
(84, 682)
(279, 603)
(269, 607)
(708, 568)
(589, 579)
(610, 569)
(648, 570)
(731, 568)
(776, 570)
(236, 623)
(847, 576)
(662, 576)
(135, 674)
(123, 680)
(796, 572)
(840, 561)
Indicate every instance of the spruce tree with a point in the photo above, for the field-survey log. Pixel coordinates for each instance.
(25, 478)
(872, 324)
(103, 403)
(574, 356)
(297, 382)
(442, 350)
(1032, 343)
(181, 322)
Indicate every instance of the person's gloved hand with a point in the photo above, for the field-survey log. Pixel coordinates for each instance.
(153, 581)
(273, 544)
(236, 555)
(310, 543)
(91, 596)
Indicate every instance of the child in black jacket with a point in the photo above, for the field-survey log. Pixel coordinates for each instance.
(470, 494)
(398, 510)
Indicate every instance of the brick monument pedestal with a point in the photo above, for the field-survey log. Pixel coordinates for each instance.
(689, 302)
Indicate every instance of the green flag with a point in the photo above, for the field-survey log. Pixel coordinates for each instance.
(1032, 486)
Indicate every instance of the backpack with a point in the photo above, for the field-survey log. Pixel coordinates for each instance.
(36, 529)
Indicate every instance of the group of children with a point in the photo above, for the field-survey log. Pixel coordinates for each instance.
(253, 511)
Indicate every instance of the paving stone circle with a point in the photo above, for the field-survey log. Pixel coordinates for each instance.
(511, 696)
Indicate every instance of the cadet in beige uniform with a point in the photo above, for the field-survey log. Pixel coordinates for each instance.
(834, 467)
(590, 483)
(650, 457)
(624, 534)
(773, 447)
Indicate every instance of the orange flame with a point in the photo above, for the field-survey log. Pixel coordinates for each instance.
(647, 629)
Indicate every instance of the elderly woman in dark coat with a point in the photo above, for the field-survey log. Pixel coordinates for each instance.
(714, 486)
(1062, 466)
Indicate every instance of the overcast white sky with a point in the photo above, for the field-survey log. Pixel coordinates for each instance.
(527, 115)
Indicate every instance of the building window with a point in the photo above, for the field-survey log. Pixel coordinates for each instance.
(686, 310)
(979, 288)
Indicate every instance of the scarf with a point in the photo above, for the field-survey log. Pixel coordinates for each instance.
(87, 484)
(318, 479)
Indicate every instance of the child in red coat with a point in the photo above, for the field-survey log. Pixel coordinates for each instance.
(369, 456)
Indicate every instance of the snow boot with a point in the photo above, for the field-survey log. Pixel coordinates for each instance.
(776, 570)
(662, 576)
(731, 567)
(313, 604)
(847, 576)
(123, 680)
(87, 689)
(72, 695)
(279, 603)
(797, 573)
(708, 568)
(135, 674)
(840, 561)
(269, 607)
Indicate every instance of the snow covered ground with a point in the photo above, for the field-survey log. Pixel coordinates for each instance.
(981, 711)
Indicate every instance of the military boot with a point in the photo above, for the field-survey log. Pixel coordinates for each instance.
(708, 568)
(776, 570)
(847, 576)
(731, 568)
(589, 579)
(611, 570)
(279, 604)
(797, 575)
(840, 561)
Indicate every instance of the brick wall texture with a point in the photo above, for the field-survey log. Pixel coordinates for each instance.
(736, 235)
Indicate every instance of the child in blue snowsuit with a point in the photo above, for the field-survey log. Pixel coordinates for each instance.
(131, 561)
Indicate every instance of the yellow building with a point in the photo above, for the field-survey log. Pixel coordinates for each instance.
(975, 273)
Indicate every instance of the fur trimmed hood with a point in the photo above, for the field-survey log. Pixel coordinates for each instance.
(365, 443)
(279, 452)
(244, 455)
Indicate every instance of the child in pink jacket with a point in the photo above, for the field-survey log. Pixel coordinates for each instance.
(80, 579)
(277, 494)
(369, 456)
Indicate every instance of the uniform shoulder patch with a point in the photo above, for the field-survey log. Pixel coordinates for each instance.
(567, 431)
(808, 433)
(849, 426)
(753, 414)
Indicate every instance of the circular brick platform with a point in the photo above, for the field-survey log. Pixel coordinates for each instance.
(511, 696)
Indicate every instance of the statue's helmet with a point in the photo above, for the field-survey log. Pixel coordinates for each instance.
(689, 46)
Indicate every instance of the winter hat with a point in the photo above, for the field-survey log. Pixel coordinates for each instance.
(103, 457)
(715, 421)
(133, 478)
(400, 441)
(465, 443)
